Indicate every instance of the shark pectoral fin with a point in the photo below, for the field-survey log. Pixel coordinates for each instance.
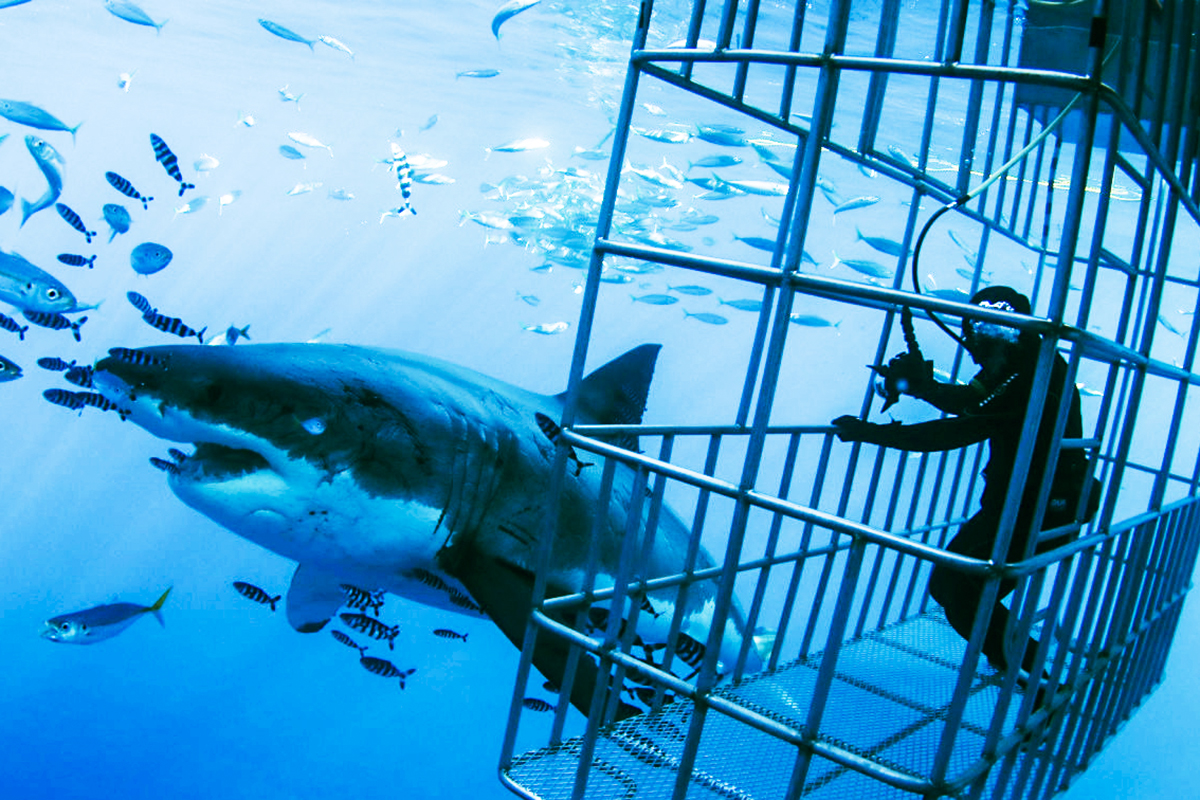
(313, 598)
(506, 594)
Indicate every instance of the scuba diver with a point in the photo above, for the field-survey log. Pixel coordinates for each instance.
(992, 408)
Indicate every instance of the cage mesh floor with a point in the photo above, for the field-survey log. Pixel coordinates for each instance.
(887, 703)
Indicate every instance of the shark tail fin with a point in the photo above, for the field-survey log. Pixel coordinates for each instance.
(156, 609)
(615, 394)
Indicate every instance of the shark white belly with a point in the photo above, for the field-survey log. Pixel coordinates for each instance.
(397, 471)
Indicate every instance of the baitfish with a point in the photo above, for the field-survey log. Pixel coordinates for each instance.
(81, 376)
(31, 116)
(706, 317)
(130, 12)
(55, 321)
(9, 371)
(554, 433)
(508, 11)
(55, 364)
(72, 218)
(519, 146)
(536, 704)
(30, 288)
(655, 299)
(140, 302)
(867, 267)
(73, 260)
(385, 668)
(99, 622)
(164, 156)
(117, 218)
(884, 245)
(10, 324)
(812, 320)
(172, 325)
(252, 592)
(743, 305)
(206, 163)
(404, 175)
(446, 633)
(857, 202)
(192, 206)
(362, 599)
(371, 627)
(329, 41)
(308, 140)
(126, 188)
(285, 33)
(6, 199)
(149, 257)
(346, 640)
(287, 151)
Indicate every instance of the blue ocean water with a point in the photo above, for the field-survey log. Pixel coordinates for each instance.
(227, 700)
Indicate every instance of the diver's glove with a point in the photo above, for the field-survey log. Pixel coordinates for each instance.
(906, 373)
(852, 429)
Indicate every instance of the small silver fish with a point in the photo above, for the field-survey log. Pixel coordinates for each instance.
(329, 41)
(743, 305)
(884, 245)
(32, 289)
(30, 115)
(124, 79)
(857, 202)
(508, 11)
(287, 97)
(864, 266)
(99, 622)
(130, 12)
(285, 33)
(304, 188)
(477, 73)
(341, 194)
(309, 140)
(205, 163)
(287, 151)
(547, 328)
(51, 164)
(192, 206)
(227, 198)
(655, 299)
(706, 317)
(812, 320)
(519, 146)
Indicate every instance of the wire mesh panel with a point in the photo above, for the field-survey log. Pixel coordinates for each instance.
(792, 648)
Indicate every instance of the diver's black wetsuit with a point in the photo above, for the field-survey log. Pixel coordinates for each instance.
(991, 408)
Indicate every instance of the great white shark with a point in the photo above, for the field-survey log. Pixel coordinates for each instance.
(397, 471)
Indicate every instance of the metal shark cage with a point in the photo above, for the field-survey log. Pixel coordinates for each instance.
(1063, 138)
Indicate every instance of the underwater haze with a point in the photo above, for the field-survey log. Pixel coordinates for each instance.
(357, 190)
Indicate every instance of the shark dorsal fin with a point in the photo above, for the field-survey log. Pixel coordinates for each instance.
(615, 394)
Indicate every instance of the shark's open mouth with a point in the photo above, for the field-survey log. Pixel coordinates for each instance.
(216, 461)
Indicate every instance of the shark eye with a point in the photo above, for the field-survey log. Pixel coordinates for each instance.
(64, 627)
(52, 293)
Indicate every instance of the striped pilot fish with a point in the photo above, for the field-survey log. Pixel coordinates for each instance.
(252, 592)
(99, 622)
(126, 188)
(164, 156)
